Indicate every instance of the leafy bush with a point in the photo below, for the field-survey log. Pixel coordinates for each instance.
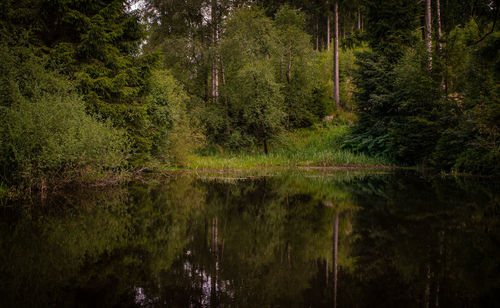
(174, 132)
(259, 102)
(46, 134)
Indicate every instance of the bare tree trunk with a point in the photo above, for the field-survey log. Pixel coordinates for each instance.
(359, 19)
(336, 56)
(428, 30)
(438, 11)
(215, 69)
(440, 34)
(317, 34)
(328, 32)
(224, 96)
(223, 76)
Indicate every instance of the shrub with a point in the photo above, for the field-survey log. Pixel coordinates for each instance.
(173, 131)
(46, 134)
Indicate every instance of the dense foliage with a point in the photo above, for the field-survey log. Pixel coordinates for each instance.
(96, 86)
(46, 133)
(437, 107)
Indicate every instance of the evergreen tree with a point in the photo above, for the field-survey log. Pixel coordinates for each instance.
(390, 32)
(96, 43)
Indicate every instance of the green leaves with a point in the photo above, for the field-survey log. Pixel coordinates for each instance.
(47, 135)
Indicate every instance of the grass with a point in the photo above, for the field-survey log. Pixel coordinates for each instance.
(312, 147)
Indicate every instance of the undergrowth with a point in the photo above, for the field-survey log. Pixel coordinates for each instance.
(318, 146)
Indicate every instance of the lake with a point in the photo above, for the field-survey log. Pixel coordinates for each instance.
(296, 238)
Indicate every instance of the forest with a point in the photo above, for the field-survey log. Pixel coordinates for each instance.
(96, 90)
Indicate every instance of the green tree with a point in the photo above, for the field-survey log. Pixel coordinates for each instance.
(96, 43)
(250, 109)
(173, 129)
(259, 102)
(296, 68)
(46, 134)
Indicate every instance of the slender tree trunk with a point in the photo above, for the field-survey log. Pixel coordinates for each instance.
(336, 56)
(428, 30)
(223, 76)
(328, 32)
(359, 19)
(205, 72)
(440, 44)
(438, 12)
(224, 96)
(446, 57)
(215, 69)
(317, 34)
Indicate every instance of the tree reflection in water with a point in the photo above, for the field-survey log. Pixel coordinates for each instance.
(294, 239)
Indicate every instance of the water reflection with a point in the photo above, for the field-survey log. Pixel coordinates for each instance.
(298, 239)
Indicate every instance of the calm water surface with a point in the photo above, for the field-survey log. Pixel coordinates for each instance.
(294, 239)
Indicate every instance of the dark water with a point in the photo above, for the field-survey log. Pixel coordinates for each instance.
(298, 239)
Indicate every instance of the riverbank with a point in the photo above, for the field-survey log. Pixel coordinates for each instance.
(316, 147)
(312, 147)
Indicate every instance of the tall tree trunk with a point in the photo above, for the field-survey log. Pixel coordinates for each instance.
(317, 34)
(215, 68)
(428, 30)
(224, 96)
(328, 32)
(440, 34)
(359, 19)
(438, 12)
(336, 56)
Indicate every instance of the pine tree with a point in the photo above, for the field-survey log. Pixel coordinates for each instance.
(96, 43)
(389, 32)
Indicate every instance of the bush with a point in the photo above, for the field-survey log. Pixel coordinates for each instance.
(46, 134)
(174, 133)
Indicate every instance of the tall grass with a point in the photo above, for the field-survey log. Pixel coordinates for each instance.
(319, 146)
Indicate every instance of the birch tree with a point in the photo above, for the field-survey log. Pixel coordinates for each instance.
(428, 30)
(336, 75)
